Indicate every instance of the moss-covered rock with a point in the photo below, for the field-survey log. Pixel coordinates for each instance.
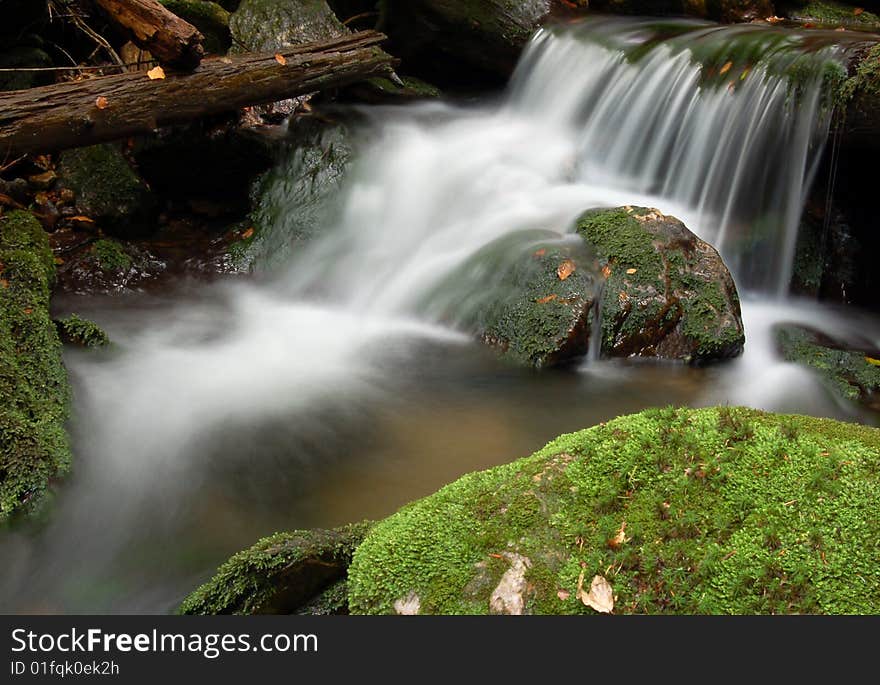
(853, 375)
(34, 392)
(107, 189)
(709, 511)
(76, 330)
(667, 293)
(23, 56)
(282, 574)
(210, 18)
(262, 25)
(828, 13)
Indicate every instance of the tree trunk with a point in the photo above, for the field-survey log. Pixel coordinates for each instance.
(96, 110)
(170, 39)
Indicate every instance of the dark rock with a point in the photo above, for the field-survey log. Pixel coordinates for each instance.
(850, 371)
(19, 57)
(265, 25)
(282, 574)
(103, 266)
(108, 190)
(210, 18)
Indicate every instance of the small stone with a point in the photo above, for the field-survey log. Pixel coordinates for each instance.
(409, 605)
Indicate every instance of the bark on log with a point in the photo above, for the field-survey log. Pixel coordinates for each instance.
(171, 40)
(70, 114)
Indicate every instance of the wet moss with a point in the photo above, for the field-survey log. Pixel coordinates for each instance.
(111, 255)
(34, 392)
(722, 510)
(76, 330)
(280, 574)
(835, 14)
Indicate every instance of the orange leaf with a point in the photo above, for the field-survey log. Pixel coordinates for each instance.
(4, 283)
(28, 310)
(631, 271)
(156, 73)
(606, 271)
(726, 68)
(101, 102)
(620, 538)
(858, 10)
(540, 253)
(248, 233)
(565, 269)
(545, 300)
(280, 59)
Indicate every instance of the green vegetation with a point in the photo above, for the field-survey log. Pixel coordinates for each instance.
(79, 331)
(33, 382)
(708, 511)
(281, 574)
(111, 255)
(831, 13)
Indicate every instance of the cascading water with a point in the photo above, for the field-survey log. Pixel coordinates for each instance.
(339, 391)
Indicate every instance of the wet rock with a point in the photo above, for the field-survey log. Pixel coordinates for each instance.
(280, 574)
(681, 483)
(108, 190)
(264, 25)
(851, 372)
(105, 265)
(381, 90)
(830, 14)
(453, 38)
(210, 18)
(657, 290)
(33, 382)
(728, 11)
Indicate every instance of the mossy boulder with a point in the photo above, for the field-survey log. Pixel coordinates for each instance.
(852, 374)
(210, 18)
(263, 25)
(108, 190)
(667, 293)
(830, 14)
(285, 573)
(728, 11)
(707, 511)
(34, 392)
(657, 290)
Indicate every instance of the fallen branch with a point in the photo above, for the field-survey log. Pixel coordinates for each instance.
(111, 107)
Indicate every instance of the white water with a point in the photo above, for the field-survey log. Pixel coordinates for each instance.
(298, 364)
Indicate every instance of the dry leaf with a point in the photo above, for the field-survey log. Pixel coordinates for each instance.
(101, 102)
(540, 253)
(620, 538)
(280, 59)
(725, 68)
(156, 73)
(631, 271)
(773, 20)
(565, 269)
(28, 310)
(59, 261)
(871, 360)
(4, 283)
(546, 299)
(600, 597)
(563, 594)
(248, 233)
(858, 10)
(606, 271)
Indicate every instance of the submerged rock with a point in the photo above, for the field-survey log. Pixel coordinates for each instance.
(34, 392)
(658, 290)
(108, 190)
(708, 511)
(852, 374)
(282, 574)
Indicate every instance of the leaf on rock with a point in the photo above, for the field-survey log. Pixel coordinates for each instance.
(248, 233)
(563, 594)
(565, 269)
(871, 360)
(631, 271)
(101, 102)
(540, 253)
(546, 299)
(4, 283)
(620, 538)
(156, 73)
(606, 271)
(280, 59)
(858, 10)
(725, 68)
(600, 597)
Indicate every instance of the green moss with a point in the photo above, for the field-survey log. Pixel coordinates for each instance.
(209, 18)
(279, 574)
(33, 383)
(864, 82)
(106, 187)
(835, 14)
(726, 511)
(111, 255)
(79, 331)
(262, 25)
(847, 372)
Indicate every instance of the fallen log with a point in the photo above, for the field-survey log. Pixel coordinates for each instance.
(171, 40)
(97, 110)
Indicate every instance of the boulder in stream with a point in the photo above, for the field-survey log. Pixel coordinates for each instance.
(658, 289)
(264, 25)
(676, 511)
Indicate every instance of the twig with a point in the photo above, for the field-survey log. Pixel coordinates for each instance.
(362, 15)
(82, 68)
(11, 164)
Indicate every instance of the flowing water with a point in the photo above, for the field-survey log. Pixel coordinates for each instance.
(344, 388)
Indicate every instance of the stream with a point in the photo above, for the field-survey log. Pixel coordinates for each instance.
(343, 386)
